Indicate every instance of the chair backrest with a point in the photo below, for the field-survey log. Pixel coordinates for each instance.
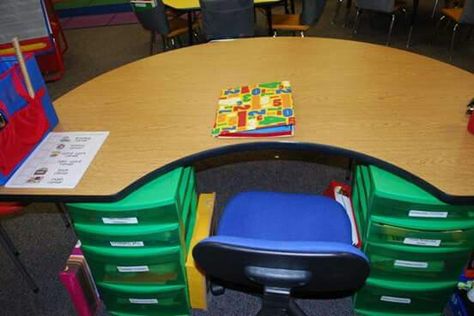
(154, 19)
(328, 268)
(312, 11)
(223, 19)
(376, 5)
(467, 16)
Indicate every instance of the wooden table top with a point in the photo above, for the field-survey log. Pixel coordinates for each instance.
(194, 4)
(379, 104)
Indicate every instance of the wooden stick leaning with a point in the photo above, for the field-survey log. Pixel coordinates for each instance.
(24, 71)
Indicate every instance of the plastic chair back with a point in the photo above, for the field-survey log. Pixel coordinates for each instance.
(312, 11)
(223, 19)
(154, 19)
(376, 5)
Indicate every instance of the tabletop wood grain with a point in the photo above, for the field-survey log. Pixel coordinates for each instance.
(395, 106)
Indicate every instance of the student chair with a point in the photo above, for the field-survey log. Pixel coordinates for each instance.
(157, 20)
(391, 7)
(283, 245)
(460, 16)
(310, 14)
(10, 209)
(223, 19)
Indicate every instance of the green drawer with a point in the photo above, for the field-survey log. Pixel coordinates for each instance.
(132, 236)
(363, 312)
(402, 297)
(360, 209)
(124, 300)
(392, 196)
(400, 262)
(383, 232)
(159, 201)
(159, 266)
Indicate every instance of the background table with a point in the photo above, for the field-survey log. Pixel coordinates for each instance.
(396, 109)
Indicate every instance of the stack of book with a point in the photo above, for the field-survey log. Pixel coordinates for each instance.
(261, 110)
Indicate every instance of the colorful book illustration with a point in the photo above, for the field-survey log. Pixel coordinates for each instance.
(261, 110)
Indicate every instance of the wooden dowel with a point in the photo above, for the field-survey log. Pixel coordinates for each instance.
(24, 71)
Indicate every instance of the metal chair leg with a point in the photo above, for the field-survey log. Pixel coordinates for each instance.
(17, 262)
(302, 33)
(434, 9)
(441, 19)
(62, 210)
(338, 8)
(356, 22)
(7, 241)
(164, 43)
(275, 34)
(152, 41)
(392, 22)
(455, 28)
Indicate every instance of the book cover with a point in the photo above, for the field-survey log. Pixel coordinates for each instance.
(261, 110)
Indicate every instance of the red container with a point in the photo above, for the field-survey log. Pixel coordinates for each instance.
(470, 124)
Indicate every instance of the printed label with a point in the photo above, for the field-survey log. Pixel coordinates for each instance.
(120, 220)
(133, 268)
(411, 264)
(143, 300)
(393, 299)
(127, 243)
(416, 213)
(422, 242)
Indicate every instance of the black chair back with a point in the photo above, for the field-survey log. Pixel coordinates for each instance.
(154, 19)
(223, 19)
(312, 11)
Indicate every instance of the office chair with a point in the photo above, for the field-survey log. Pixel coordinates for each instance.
(310, 14)
(157, 20)
(223, 19)
(384, 6)
(283, 245)
(460, 16)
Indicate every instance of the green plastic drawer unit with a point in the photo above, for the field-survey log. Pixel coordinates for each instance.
(383, 232)
(159, 266)
(362, 312)
(144, 299)
(359, 204)
(133, 236)
(159, 201)
(406, 298)
(392, 196)
(190, 220)
(395, 262)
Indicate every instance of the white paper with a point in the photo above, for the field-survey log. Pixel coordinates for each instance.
(422, 242)
(417, 213)
(143, 300)
(127, 269)
(119, 220)
(59, 162)
(127, 243)
(411, 264)
(346, 203)
(393, 299)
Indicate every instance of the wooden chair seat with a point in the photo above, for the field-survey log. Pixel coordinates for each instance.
(453, 13)
(288, 22)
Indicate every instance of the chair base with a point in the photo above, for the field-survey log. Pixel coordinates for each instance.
(277, 302)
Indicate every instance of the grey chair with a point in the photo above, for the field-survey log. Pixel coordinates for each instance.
(390, 7)
(223, 19)
(310, 14)
(460, 16)
(158, 20)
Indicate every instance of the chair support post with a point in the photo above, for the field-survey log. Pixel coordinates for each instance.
(392, 22)
(451, 47)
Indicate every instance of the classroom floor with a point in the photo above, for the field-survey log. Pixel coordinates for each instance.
(44, 241)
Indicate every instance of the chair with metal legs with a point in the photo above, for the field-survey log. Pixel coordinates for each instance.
(460, 16)
(310, 14)
(10, 209)
(384, 6)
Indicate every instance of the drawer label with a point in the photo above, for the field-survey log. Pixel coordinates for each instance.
(143, 300)
(120, 220)
(411, 264)
(127, 244)
(422, 242)
(393, 299)
(133, 268)
(416, 213)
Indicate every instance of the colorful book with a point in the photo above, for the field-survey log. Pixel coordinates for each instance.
(261, 110)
